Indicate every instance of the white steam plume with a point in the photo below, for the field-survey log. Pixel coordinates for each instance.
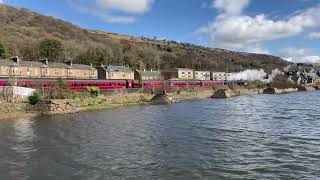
(249, 75)
(255, 75)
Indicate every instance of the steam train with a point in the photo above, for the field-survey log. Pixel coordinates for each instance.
(105, 85)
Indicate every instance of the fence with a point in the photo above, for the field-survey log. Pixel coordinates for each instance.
(14, 93)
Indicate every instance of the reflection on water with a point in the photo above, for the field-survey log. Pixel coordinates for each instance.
(259, 137)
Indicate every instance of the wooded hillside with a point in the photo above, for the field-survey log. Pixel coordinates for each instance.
(23, 32)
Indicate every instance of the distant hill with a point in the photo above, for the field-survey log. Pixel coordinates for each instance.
(21, 31)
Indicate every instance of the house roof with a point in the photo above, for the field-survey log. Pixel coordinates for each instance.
(41, 64)
(118, 69)
(82, 66)
(201, 71)
(188, 69)
(57, 65)
(5, 62)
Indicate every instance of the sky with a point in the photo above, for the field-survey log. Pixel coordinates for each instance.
(286, 28)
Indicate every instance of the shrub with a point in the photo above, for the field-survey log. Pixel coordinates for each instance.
(61, 84)
(93, 91)
(257, 84)
(2, 52)
(67, 94)
(282, 82)
(34, 99)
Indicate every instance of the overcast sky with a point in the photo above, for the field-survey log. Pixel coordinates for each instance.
(287, 28)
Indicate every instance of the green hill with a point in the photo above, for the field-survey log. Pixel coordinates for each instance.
(22, 30)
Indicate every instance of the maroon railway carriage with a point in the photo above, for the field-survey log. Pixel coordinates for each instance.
(105, 85)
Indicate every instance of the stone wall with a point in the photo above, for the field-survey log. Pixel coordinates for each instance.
(54, 107)
(7, 107)
(279, 91)
(70, 106)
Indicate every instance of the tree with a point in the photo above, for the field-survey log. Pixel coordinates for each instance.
(2, 52)
(52, 49)
(30, 53)
(61, 84)
(140, 81)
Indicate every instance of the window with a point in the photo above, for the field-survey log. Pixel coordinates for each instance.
(189, 72)
(45, 71)
(183, 72)
(56, 72)
(124, 75)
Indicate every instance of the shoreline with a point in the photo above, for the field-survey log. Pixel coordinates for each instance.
(60, 107)
(18, 115)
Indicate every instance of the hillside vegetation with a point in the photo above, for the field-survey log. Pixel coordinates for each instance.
(23, 31)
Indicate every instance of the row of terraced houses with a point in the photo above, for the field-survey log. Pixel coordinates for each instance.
(17, 68)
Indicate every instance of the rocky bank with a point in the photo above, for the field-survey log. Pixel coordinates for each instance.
(54, 107)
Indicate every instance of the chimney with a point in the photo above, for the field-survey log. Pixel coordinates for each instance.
(45, 61)
(15, 59)
(69, 63)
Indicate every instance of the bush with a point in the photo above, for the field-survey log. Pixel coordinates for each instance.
(282, 82)
(34, 99)
(67, 94)
(257, 84)
(93, 91)
(61, 84)
(2, 52)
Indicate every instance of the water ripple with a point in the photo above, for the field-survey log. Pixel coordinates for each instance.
(249, 137)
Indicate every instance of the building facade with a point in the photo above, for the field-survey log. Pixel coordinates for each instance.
(218, 76)
(148, 75)
(17, 68)
(222, 76)
(202, 75)
(115, 72)
(182, 73)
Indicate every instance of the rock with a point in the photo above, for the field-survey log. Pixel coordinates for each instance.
(306, 88)
(163, 98)
(302, 88)
(279, 91)
(317, 88)
(223, 93)
(270, 91)
(54, 107)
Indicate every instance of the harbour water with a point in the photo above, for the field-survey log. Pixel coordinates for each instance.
(248, 137)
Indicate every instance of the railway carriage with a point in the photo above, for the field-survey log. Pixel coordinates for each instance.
(105, 85)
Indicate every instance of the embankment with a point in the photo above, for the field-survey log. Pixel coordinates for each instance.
(68, 106)
(228, 93)
(55, 107)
